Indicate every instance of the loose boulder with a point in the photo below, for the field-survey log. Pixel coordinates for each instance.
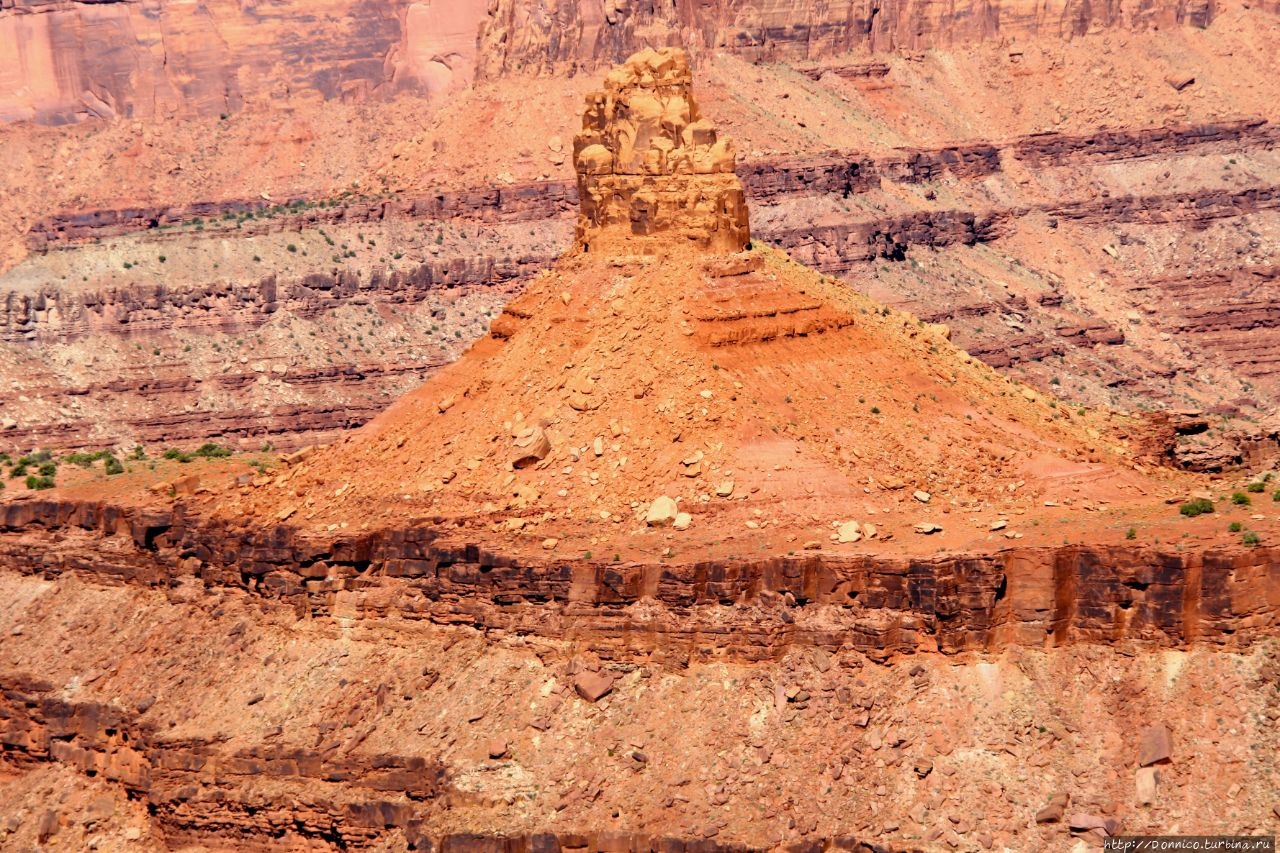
(1155, 746)
(593, 686)
(532, 446)
(662, 512)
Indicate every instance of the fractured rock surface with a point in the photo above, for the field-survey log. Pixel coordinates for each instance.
(650, 165)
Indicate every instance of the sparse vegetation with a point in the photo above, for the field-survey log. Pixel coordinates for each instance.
(84, 460)
(1235, 527)
(1250, 538)
(1240, 499)
(1256, 488)
(43, 482)
(1131, 534)
(208, 450)
(41, 458)
(1198, 506)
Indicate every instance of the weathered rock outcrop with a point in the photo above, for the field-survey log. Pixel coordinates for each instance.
(768, 180)
(649, 164)
(743, 609)
(196, 786)
(51, 315)
(62, 62)
(264, 795)
(1216, 317)
(518, 35)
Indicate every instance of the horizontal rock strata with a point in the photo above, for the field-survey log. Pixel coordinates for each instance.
(841, 243)
(70, 61)
(766, 180)
(734, 608)
(198, 789)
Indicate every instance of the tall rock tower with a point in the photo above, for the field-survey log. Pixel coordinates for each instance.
(650, 166)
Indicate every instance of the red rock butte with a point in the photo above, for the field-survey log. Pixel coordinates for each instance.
(649, 165)
(657, 376)
(696, 550)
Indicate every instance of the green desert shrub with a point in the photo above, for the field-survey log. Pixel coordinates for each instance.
(209, 450)
(1198, 506)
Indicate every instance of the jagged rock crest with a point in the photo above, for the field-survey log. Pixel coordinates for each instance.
(649, 164)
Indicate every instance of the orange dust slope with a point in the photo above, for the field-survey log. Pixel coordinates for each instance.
(614, 380)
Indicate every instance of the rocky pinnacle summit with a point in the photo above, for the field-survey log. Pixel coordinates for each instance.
(649, 164)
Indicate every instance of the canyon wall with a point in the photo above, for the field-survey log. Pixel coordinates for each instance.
(58, 313)
(200, 789)
(63, 61)
(520, 35)
(853, 233)
(746, 609)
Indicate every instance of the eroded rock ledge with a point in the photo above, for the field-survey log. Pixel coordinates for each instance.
(749, 609)
(766, 181)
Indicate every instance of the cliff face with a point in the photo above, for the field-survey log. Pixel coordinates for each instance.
(521, 35)
(63, 61)
(750, 609)
(216, 718)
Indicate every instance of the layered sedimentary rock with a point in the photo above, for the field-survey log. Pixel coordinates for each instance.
(518, 35)
(1047, 324)
(66, 61)
(62, 62)
(649, 164)
(683, 612)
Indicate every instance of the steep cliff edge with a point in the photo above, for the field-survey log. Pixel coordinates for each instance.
(518, 36)
(67, 61)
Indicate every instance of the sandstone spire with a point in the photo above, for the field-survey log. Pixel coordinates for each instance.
(650, 165)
